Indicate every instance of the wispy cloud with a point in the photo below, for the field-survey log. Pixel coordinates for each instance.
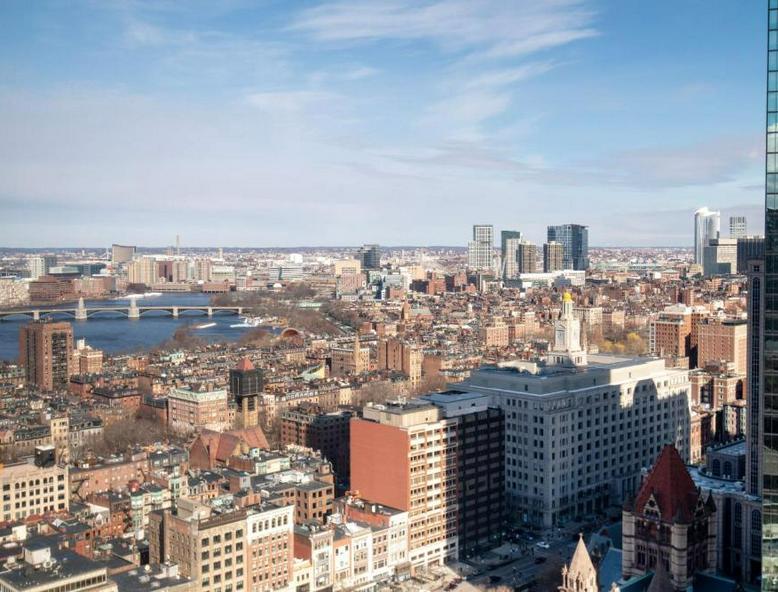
(499, 29)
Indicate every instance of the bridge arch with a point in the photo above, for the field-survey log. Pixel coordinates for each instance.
(107, 313)
(290, 333)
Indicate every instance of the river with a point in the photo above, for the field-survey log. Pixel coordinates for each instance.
(119, 334)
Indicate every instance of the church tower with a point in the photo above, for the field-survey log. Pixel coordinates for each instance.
(580, 576)
(567, 338)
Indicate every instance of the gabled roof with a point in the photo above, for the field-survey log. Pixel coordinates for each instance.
(671, 487)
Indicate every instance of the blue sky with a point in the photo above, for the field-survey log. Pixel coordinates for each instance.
(282, 123)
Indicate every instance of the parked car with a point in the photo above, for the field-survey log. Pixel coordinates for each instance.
(543, 545)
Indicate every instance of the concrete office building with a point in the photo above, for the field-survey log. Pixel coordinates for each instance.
(46, 353)
(707, 226)
(574, 239)
(738, 228)
(122, 253)
(578, 431)
(480, 250)
(720, 257)
(748, 248)
(553, 257)
(41, 265)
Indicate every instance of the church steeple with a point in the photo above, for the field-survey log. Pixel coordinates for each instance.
(567, 337)
(580, 576)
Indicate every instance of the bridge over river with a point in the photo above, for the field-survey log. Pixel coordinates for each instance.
(133, 311)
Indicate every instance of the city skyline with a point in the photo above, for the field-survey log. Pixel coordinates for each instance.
(272, 118)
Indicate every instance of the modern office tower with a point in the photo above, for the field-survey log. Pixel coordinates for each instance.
(768, 360)
(756, 392)
(707, 226)
(748, 248)
(46, 353)
(526, 257)
(574, 239)
(422, 457)
(122, 254)
(370, 256)
(553, 256)
(480, 250)
(581, 431)
(671, 527)
(246, 384)
(738, 227)
(508, 253)
(720, 257)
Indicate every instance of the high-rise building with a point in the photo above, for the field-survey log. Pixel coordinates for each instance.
(748, 248)
(46, 353)
(720, 257)
(574, 239)
(551, 477)
(553, 256)
(121, 253)
(510, 267)
(480, 250)
(738, 227)
(767, 355)
(707, 226)
(143, 270)
(391, 448)
(370, 256)
(508, 253)
(526, 257)
(40, 265)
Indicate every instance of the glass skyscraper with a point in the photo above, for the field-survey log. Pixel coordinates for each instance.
(574, 239)
(769, 349)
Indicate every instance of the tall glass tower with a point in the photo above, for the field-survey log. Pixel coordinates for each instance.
(769, 356)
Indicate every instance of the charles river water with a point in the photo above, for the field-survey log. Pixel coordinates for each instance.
(117, 334)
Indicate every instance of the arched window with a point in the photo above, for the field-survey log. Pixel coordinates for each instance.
(727, 469)
(716, 468)
(756, 520)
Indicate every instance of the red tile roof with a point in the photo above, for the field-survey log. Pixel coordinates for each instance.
(672, 487)
(244, 365)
